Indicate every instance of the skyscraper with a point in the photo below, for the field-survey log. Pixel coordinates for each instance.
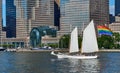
(80, 12)
(43, 13)
(0, 15)
(34, 13)
(99, 11)
(10, 19)
(57, 13)
(22, 26)
(117, 7)
(2, 33)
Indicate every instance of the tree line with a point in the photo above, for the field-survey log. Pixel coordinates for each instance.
(104, 41)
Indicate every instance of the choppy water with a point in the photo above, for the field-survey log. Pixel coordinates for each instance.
(12, 62)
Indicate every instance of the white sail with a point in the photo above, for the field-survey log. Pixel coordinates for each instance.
(89, 43)
(74, 41)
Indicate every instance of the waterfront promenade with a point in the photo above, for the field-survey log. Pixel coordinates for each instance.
(29, 50)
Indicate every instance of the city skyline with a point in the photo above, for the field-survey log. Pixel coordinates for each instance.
(20, 16)
(111, 7)
(79, 12)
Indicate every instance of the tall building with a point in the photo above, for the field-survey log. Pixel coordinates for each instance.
(99, 11)
(21, 18)
(80, 12)
(2, 33)
(10, 19)
(0, 15)
(43, 13)
(57, 13)
(0, 19)
(34, 13)
(23, 15)
(111, 18)
(115, 26)
(117, 7)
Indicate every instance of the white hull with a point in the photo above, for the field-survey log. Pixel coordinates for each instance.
(74, 56)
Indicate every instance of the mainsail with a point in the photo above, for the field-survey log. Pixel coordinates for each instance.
(74, 41)
(89, 43)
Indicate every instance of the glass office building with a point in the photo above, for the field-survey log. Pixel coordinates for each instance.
(0, 19)
(35, 13)
(80, 12)
(23, 17)
(37, 33)
(0, 15)
(74, 12)
(117, 7)
(10, 19)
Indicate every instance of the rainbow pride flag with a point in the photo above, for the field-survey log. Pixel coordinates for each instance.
(103, 30)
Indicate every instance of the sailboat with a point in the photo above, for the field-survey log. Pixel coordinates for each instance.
(89, 44)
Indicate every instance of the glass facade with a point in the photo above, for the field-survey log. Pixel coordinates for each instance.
(37, 33)
(0, 15)
(0, 20)
(10, 19)
(74, 13)
(117, 7)
(80, 12)
(35, 37)
(57, 13)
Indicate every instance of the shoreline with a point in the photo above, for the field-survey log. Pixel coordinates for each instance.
(109, 50)
(28, 50)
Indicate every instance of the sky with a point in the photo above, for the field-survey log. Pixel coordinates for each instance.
(111, 8)
(4, 12)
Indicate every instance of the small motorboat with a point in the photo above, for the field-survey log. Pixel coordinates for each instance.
(2, 48)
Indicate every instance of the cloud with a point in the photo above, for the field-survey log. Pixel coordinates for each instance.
(112, 9)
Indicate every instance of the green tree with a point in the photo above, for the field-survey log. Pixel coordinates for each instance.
(53, 45)
(80, 41)
(65, 41)
(116, 37)
(105, 41)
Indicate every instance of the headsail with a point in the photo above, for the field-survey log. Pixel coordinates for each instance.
(89, 43)
(74, 41)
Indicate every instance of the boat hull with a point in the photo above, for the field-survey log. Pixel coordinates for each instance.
(2, 49)
(74, 56)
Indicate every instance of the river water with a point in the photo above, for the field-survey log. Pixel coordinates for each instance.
(38, 62)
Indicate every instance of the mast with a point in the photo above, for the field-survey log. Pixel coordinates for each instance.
(70, 30)
(83, 26)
